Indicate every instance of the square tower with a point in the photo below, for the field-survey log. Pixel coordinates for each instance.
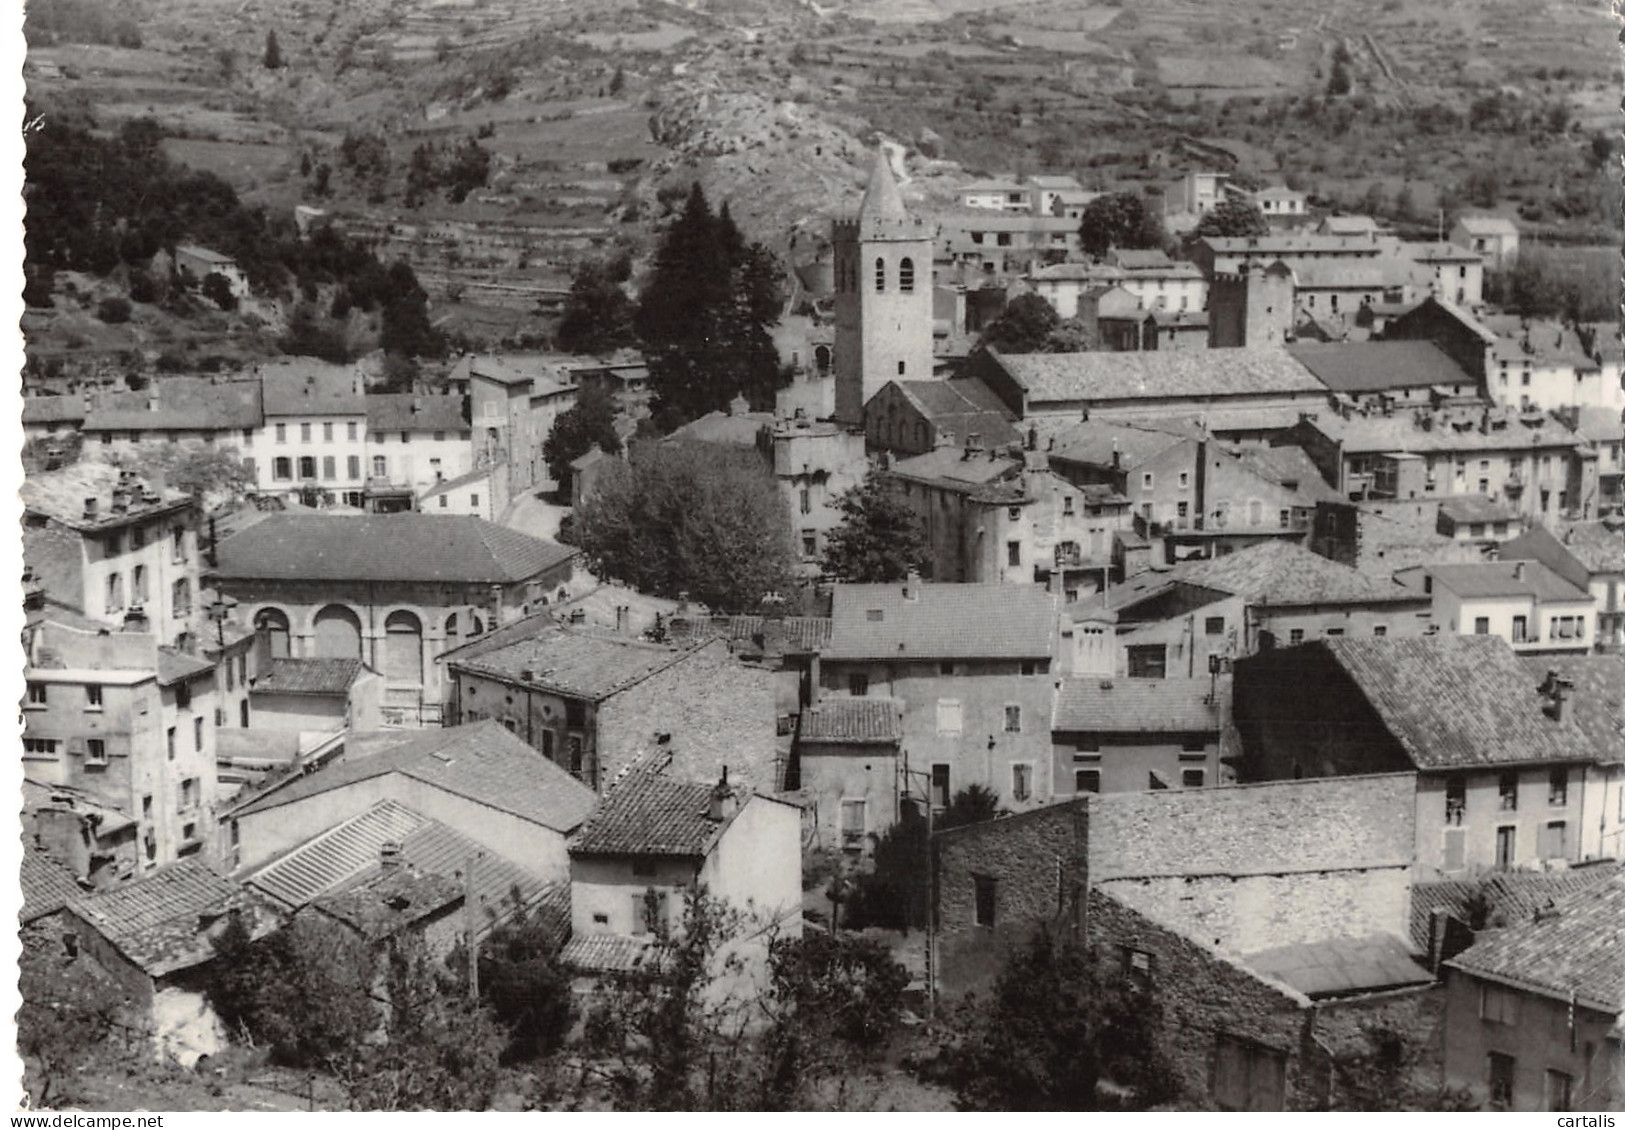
(882, 296)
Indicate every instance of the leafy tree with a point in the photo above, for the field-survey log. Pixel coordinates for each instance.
(879, 539)
(617, 81)
(1071, 336)
(1405, 203)
(113, 310)
(1121, 220)
(970, 805)
(273, 53)
(1340, 83)
(1375, 200)
(703, 316)
(896, 894)
(1231, 218)
(524, 989)
(690, 517)
(67, 1014)
(199, 471)
(1055, 1026)
(597, 315)
(217, 289)
(590, 420)
(1024, 325)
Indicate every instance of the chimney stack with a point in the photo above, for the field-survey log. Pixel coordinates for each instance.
(91, 507)
(723, 801)
(911, 584)
(389, 857)
(1517, 570)
(578, 615)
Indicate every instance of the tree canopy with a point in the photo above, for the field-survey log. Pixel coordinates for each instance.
(703, 316)
(700, 518)
(597, 315)
(590, 420)
(1120, 220)
(1023, 326)
(879, 539)
(1231, 218)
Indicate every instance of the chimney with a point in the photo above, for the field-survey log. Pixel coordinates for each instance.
(623, 618)
(417, 405)
(911, 585)
(723, 801)
(91, 506)
(973, 442)
(389, 857)
(121, 500)
(945, 437)
(527, 675)
(1517, 570)
(152, 401)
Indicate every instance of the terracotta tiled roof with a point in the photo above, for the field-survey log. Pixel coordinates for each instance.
(177, 666)
(965, 406)
(1103, 443)
(803, 634)
(1279, 573)
(390, 547)
(1135, 706)
(394, 412)
(53, 409)
(1470, 508)
(1599, 548)
(47, 886)
(649, 813)
(853, 721)
(309, 676)
(606, 953)
(1050, 377)
(1597, 704)
(1513, 896)
(183, 404)
(1455, 702)
(1580, 950)
(304, 386)
(384, 903)
(588, 663)
(159, 922)
(61, 495)
(942, 621)
(482, 762)
(1505, 578)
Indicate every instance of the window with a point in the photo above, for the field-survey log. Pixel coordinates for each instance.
(1502, 1069)
(1559, 1091)
(1013, 552)
(854, 822)
(1146, 481)
(1295, 636)
(950, 717)
(1012, 719)
(941, 785)
(1184, 479)
(1481, 625)
(946, 667)
(809, 543)
(42, 746)
(1554, 840)
(1066, 504)
(138, 537)
(282, 468)
(1148, 661)
(648, 911)
(350, 430)
(439, 437)
(1455, 800)
(380, 466)
(905, 276)
(986, 891)
(138, 584)
(1509, 792)
(1086, 780)
(1213, 626)
(444, 501)
(1379, 630)
(406, 437)
(1286, 519)
(1136, 968)
(1520, 629)
(304, 433)
(181, 598)
(188, 794)
(330, 467)
(1021, 781)
(880, 276)
(327, 432)
(1506, 847)
(857, 684)
(307, 466)
(474, 500)
(36, 694)
(177, 545)
(282, 433)
(96, 752)
(806, 501)
(1192, 778)
(197, 734)
(1557, 788)
(169, 739)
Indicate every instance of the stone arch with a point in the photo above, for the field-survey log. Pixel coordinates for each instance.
(403, 648)
(821, 358)
(274, 622)
(335, 633)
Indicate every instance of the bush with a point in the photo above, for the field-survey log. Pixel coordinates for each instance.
(113, 310)
(142, 287)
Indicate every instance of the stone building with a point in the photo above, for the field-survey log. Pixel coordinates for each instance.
(393, 591)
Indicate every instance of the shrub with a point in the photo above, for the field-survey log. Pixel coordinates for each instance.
(113, 310)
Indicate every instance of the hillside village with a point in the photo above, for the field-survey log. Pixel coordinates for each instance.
(795, 635)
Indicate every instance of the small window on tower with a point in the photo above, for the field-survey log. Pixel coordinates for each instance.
(905, 276)
(880, 275)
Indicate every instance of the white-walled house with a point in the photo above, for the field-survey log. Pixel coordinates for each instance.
(414, 442)
(1523, 602)
(314, 432)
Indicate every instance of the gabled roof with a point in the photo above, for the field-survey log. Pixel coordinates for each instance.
(853, 721)
(1487, 225)
(1576, 954)
(404, 412)
(1469, 509)
(1588, 548)
(1289, 467)
(47, 886)
(607, 953)
(386, 547)
(965, 406)
(309, 676)
(1457, 702)
(384, 903)
(957, 468)
(941, 621)
(649, 813)
(60, 495)
(1105, 443)
(1280, 573)
(303, 386)
(1513, 896)
(801, 634)
(1597, 703)
(481, 762)
(182, 404)
(737, 429)
(1505, 579)
(578, 662)
(177, 667)
(159, 921)
(1157, 374)
(1135, 706)
(1369, 366)
(53, 409)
